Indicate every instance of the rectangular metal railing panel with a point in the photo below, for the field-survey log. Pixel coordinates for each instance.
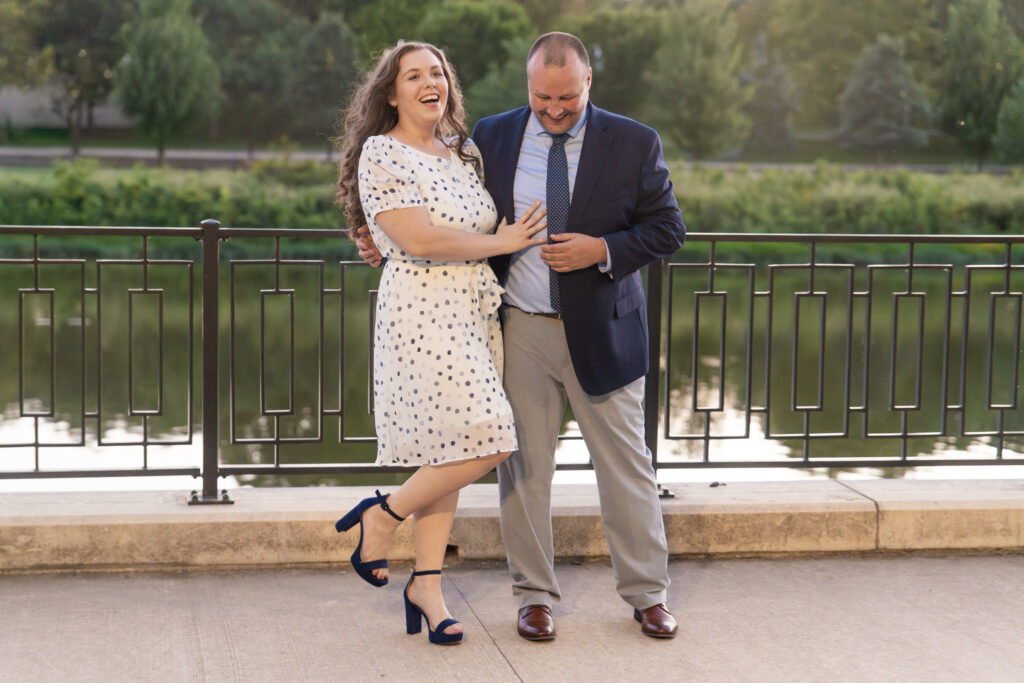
(76, 380)
(838, 364)
(882, 344)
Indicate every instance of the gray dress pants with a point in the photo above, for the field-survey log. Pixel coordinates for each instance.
(539, 378)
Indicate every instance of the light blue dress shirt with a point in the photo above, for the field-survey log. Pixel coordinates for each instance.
(527, 285)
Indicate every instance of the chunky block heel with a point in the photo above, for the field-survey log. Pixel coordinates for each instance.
(414, 618)
(355, 516)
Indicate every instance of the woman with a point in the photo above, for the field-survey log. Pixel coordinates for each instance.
(410, 173)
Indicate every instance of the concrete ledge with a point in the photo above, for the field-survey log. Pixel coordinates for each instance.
(947, 515)
(295, 525)
(777, 517)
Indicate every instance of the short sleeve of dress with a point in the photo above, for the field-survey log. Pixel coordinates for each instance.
(471, 149)
(386, 178)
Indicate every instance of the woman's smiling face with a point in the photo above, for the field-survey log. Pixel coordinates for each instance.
(420, 89)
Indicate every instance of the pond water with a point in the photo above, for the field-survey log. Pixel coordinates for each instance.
(128, 350)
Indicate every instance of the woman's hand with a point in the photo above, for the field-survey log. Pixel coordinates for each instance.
(518, 235)
(367, 249)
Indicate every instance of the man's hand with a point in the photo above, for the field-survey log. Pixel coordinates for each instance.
(573, 251)
(367, 249)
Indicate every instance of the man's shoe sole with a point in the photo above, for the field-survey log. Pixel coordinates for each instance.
(535, 638)
(658, 635)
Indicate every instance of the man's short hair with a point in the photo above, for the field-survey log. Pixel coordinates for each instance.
(556, 46)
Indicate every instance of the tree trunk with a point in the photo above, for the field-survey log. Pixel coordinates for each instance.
(160, 148)
(75, 130)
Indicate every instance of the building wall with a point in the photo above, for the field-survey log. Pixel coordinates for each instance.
(33, 109)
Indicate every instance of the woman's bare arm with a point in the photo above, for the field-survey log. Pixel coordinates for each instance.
(414, 234)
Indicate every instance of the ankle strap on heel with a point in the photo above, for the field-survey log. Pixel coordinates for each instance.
(426, 571)
(387, 508)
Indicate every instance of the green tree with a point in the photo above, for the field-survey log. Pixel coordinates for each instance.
(621, 43)
(882, 101)
(773, 101)
(1015, 14)
(253, 43)
(383, 23)
(504, 87)
(981, 61)
(84, 39)
(695, 97)
(473, 33)
(306, 9)
(322, 78)
(820, 40)
(544, 14)
(168, 77)
(21, 64)
(1009, 142)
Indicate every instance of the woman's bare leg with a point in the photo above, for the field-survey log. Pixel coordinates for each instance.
(433, 526)
(428, 485)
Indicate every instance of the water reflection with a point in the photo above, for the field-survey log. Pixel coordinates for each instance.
(876, 353)
(873, 339)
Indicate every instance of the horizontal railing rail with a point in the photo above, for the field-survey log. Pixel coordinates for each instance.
(904, 349)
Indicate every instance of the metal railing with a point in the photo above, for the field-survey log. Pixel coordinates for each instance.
(806, 344)
(919, 348)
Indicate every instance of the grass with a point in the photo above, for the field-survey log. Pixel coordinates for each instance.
(808, 147)
(815, 146)
(132, 139)
(940, 150)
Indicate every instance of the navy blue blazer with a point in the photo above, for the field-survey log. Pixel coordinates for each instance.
(623, 194)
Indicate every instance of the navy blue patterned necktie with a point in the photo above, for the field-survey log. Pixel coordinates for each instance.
(557, 203)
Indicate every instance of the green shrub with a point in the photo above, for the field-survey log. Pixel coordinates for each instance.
(827, 199)
(295, 173)
(83, 193)
(823, 198)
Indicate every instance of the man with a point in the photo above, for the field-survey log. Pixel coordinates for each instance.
(575, 326)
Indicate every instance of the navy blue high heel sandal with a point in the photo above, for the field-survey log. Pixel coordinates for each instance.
(355, 516)
(414, 617)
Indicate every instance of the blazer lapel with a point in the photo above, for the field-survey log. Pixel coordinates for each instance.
(507, 160)
(596, 143)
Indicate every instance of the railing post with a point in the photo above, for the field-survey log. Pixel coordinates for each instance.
(211, 366)
(653, 382)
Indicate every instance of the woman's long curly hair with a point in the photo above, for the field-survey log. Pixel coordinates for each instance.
(369, 113)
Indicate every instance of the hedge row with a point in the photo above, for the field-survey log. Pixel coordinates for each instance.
(828, 199)
(81, 193)
(825, 199)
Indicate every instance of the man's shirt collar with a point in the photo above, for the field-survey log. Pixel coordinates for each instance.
(534, 127)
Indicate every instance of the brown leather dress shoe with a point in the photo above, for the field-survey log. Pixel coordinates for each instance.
(656, 621)
(535, 623)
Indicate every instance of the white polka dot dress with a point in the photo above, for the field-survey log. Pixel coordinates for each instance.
(437, 348)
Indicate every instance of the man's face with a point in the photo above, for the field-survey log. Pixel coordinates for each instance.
(558, 94)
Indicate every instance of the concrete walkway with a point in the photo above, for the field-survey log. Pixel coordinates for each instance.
(892, 618)
(102, 586)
